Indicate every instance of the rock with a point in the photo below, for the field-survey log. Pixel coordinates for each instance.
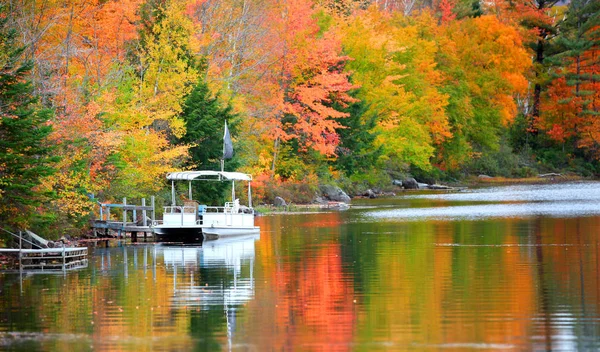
(319, 200)
(370, 193)
(422, 185)
(279, 202)
(484, 176)
(397, 183)
(436, 186)
(334, 193)
(410, 183)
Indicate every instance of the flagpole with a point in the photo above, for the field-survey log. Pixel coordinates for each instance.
(227, 147)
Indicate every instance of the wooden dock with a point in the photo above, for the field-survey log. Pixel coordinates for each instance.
(134, 219)
(42, 259)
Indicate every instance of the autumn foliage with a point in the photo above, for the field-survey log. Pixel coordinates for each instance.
(410, 84)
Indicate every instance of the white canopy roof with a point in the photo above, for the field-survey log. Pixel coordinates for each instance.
(208, 175)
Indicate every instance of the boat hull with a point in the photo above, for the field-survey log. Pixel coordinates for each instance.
(198, 233)
(226, 231)
(178, 234)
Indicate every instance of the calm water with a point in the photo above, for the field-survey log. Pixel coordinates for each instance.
(513, 268)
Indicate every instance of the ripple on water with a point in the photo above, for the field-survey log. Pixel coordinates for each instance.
(474, 212)
(580, 191)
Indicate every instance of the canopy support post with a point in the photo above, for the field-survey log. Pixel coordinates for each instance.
(172, 193)
(249, 195)
(190, 189)
(233, 191)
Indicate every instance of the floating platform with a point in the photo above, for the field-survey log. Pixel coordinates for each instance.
(66, 258)
(49, 256)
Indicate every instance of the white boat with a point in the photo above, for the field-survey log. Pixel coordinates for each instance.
(194, 222)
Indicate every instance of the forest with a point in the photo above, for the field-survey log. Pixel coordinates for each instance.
(99, 99)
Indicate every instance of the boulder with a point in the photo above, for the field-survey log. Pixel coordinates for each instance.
(279, 202)
(484, 176)
(334, 193)
(397, 183)
(410, 183)
(319, 200)
(370, 193)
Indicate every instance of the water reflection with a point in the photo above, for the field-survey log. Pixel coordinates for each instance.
(234, 288)
(330, 282)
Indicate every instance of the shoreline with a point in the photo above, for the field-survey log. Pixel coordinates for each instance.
(469, 182)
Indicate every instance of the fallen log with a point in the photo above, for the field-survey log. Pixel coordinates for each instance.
(551, 174)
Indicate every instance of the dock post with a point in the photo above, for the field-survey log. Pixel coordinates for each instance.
(101, 213)
(144, 221)
(20, 250)
(153, 209)
(124, 214)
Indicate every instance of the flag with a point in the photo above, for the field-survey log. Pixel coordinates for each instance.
(227, 145)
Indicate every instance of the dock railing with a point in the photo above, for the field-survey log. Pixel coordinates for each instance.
(122, 226)
(105, 210)
(58, 258)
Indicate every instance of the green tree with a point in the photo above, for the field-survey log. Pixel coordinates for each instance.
(356, 151)
(24, 151)
(484, 63)
(204, 116)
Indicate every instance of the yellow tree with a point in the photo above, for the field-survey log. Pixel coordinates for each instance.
(395, 65)
(142, 112)
(484, 63)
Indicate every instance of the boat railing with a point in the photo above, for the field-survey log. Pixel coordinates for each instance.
(179, 215)
(192, 215)
(172, 209)
(229, 209)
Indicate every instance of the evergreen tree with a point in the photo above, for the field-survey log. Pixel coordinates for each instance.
(572, 106)
(579, 34)
(356, 151)
(24, 154)
(204, 117)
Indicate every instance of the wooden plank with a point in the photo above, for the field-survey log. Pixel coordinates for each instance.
(127, 206)
(137, 207)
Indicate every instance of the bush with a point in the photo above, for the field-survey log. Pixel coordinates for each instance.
(504, 163)
(293, 191)
(359, 183)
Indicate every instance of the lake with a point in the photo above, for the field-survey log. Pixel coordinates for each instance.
(503, 268)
